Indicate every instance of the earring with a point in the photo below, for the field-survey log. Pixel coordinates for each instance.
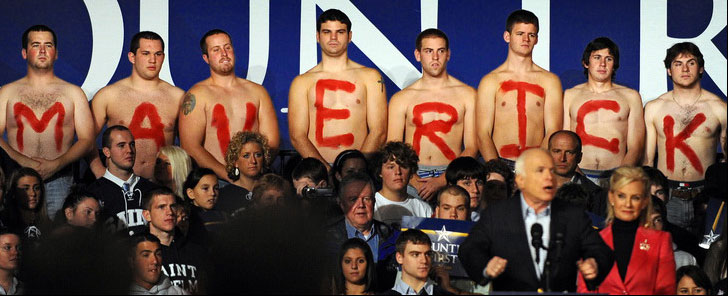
(612, 204)
(236, 172)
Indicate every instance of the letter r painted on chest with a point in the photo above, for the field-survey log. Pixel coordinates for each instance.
(324, 114)
(521, 88)
(21, 110)
(429, 129)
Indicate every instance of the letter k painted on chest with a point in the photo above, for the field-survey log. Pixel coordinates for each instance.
(673, 141)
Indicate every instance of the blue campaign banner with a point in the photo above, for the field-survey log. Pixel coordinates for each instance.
(275, 40)
(446, 236)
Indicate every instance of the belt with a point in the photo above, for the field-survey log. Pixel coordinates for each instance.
(686, 185)
(430, 173)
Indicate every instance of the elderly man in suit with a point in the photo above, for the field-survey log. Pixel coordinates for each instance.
(532, 242)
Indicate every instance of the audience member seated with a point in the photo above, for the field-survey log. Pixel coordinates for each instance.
(657, 221)
(658, 183)
(635, 244)
(565, 149)
(80, 211)
(716, 262)
(309, 173)
(271, 190)
(356, 270)
(469, 174)
(452, 202)
(201, 192)
(496, 169)
(183, 261)
(414, 255)
(493, 190)
(691, 280)
(172, 167)
(346, 163)
(575, 194)
(183, 212)
(356, 199)
(246, 159)
(394, 164)
(9, 263)
(24, 212)
(145, 255)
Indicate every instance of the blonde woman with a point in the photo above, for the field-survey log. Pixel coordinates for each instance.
(247, 158)
(172, 167)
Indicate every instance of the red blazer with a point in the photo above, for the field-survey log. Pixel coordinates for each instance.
(651, 269)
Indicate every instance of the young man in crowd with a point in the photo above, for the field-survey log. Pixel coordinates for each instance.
(453, 203)
(435, 114)
(338, 104)
(145, 255)
(469, 174)
(309, 173)
(414, 254)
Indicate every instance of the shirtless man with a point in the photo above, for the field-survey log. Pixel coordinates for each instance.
(519, 103)
(607, 117)
(42, 113)
(216, 108)
(142, 102)
(683, 127)
(338, 104)
(436, 115)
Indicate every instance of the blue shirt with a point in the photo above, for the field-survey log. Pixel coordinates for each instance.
(404, 289)
(372, 239)
(544, 218)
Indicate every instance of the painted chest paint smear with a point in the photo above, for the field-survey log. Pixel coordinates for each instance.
(21, 110)
(324, 114)
(587, 139)
(673, 141)
(429, 129)
(221, 122)
(514, 150)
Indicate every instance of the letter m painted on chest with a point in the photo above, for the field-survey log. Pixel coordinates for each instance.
(21, 110)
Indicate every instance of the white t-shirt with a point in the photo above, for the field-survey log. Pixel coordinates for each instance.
(389, 212)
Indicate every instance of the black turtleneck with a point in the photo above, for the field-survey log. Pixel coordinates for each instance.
(623, 234)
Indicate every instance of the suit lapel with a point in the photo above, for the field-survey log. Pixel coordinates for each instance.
(523, 246)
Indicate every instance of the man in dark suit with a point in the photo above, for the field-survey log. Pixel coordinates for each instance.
(500, 246)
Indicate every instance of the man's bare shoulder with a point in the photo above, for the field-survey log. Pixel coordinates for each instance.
(368, 74)
(250, 86)
(70, 89)
(13, 88)
(460, 87)
(576, 89)
(658, 103)
(113, 90)
(170, 89)
(715, 102)
(203, 87)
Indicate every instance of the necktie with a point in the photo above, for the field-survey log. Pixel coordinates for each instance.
(423, 292)
(127, 190)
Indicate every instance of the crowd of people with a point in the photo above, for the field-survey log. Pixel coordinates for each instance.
(579, 190)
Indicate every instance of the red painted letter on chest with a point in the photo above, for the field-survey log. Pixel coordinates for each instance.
(673, 141)
(514, 150)
(21, 110)
(587, 139)
(324, 114)
(221, 122)
(155, 131)
(429, 129)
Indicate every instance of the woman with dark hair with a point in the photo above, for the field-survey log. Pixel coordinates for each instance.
(25, 204)
(80, 209)
(246, 160)
(356, 271)
(201, 192)
(691, 280)
(348, 162)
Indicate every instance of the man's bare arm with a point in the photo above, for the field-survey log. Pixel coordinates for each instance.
(21, 159)
(722, 113)
(485, 113)
(192, 124)
(376, 113)
(635, 131)
(470, 138)
(397, 117)
(98, 111)
(268, 122)
(568, 97)
(650, 134)
(84, 128)
(298, 121)
(553, 109)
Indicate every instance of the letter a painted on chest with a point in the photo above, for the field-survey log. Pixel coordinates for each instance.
(155, 131)
(587, 139)
(21, 110)
(514, 150)
(429, 129)
(673, 141)
(324, 114)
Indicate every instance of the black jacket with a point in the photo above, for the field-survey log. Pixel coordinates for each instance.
(119, 212)
(185, 263)
(501, 232)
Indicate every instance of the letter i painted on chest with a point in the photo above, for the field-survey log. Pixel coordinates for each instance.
(429, 129)
(155, 131)
(324, 114)
(587, 139)
(514, 150)
(673, 141)
(21, 110)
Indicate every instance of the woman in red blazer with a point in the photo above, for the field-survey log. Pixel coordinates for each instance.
(644, 260)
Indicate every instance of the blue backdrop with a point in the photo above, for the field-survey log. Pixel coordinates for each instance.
(274, 40)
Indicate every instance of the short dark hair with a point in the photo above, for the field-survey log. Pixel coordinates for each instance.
(77, 195)
(521, 16)
(106, 136)
(333, 15)
(683, 48)
(597, 44)
(573, 135)
(203, 41)
(371, 271)
(656, 177)
(414, 236)
(149, 198)
(499, 167)
(346, 155)
(270, 181)
(658, 207)
(38, 28)
(311, 168)
(464, 167)
(137, 238)
(697, 275)
(193, 178)
(400, 152)
(453, 190)
(353, 178)
(431, 33)
(572, 193)
(149, 35)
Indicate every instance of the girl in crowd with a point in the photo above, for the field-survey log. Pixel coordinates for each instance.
(247, 158)
(80, 209)
(25, 206)
(201, 191)
(634, 243)
(9, 263)
(348, 162)
(691, 280)
(355, 272)
(172, 167)
(270, 191)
